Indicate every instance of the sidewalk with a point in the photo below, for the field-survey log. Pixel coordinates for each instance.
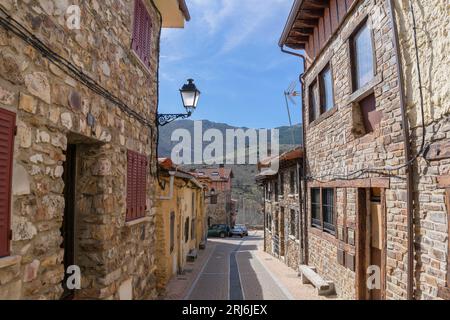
(179, 286)
(288, 278)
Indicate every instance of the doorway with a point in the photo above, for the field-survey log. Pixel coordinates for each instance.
(68, 226)
(282, 234)
(371, 244)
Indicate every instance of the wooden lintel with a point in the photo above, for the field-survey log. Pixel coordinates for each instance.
(383, 183)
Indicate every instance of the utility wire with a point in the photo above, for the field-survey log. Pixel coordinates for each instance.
(388, 171)
(12, 25)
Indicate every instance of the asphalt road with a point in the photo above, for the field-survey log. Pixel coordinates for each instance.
(234, 272)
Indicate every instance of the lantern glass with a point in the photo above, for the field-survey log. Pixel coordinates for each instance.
(190, 96)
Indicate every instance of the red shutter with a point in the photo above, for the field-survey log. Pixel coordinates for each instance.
(136, 26)
(129, 184)
(141, 42)
(7, 128)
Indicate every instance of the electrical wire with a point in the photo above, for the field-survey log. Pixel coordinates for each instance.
(12, 25)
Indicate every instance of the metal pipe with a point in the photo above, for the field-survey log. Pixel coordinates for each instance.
(407, 149)
(304, 237)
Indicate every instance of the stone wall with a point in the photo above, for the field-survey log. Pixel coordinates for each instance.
(287, 200)
(116, 258)
(433, 28)
(220, 212)
(335, 147)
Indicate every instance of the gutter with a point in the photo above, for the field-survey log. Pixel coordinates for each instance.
(407, 149)
(304, 238)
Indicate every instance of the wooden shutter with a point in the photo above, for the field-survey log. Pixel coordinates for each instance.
(136, 185)
(136, 26)
(7, 130)
(141, 42)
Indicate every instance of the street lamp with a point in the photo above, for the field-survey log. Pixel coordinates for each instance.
(189, 95)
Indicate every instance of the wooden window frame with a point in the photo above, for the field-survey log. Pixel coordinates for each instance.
(10, 118)
(366, 21)
(318, 82)
(313, 223)
(321, 88)
(322, 227)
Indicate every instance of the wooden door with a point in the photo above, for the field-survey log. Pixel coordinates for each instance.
(371, 243)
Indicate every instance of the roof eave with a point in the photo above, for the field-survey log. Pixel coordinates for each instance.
(184, 9)
(290, 22)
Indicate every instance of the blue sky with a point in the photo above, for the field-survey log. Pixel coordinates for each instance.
(230, 48)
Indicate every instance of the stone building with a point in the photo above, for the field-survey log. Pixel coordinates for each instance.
(376, 189)
(218, 183)
(282, 206)
(78, 147)
(181, 222)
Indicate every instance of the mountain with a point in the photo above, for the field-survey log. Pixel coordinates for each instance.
(286, 133)
(245, 190)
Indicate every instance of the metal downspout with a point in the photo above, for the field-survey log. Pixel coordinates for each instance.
(407, 148)
(304, 240)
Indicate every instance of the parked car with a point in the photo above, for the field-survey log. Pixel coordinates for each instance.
(243, 227)
(237, 231)
(219, 230)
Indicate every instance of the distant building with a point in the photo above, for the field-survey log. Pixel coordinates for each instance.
(181, 221)
(218, 183)
(282, 206)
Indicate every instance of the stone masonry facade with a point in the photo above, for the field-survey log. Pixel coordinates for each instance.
(54, 110)
(282, 211)
(341, 154)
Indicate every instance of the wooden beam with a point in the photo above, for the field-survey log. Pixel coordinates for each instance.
(383, 183)
(306, 23)
(320, 4)
(312, 13)
(304, 31)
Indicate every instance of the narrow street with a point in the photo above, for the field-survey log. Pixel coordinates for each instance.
(238, 269)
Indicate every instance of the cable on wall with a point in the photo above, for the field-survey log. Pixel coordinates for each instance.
(12, 25)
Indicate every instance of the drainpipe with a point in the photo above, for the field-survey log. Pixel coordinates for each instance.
(304, 240)
(407, 149)
(170, 196)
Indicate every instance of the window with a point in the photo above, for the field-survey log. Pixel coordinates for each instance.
(213, 199)
(7, 128)
(315, 208)
(276, 191)
(326, 90)
(362, 57)
(313, 103)
(328, 210)
(282, 183)
(172, 231)
(292, 182)
(322, 209)
(136, 185)
(193, 235)
(293, 224)
(142, 28)
(193, 204)
(186, 230)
